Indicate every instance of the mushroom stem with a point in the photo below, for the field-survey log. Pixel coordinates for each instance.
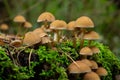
(74, 39)
(30, 57)
(46, 24)
(56, 36)
(82, 40)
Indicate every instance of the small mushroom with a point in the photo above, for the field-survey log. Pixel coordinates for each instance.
(20, 20)
(92, 35)
(91, 76)
(81, 68)
(101, 71)
(56, 26)
(4, 27)
(27, 24)
(94, 49)
(46, 17)
(82, 23)
(16, 43)
(71, 27)
(94, 65)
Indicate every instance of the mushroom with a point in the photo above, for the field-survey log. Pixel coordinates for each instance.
(85, 51)
(79, 68)
(91, 76)
(94, 65)
(82, 23)
(4, 27)
(95, 49)
(92, 35)
(87, 62)
(101, 71)
(16, 43)
(31, 38)
(71, 27)
(46, 17)
(27, 25)
(56, 26)
(21, 20)
(83, 68)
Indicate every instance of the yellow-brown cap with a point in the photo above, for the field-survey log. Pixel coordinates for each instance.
(86, 51)
(31, 39)
(94, 49)
(58, 25)
(83, 68)
(101, 71)
(46, 16)
(38, 30)
(91, 76)
(4, 27)
(87, 62)
(27, 24)
(71, 25)
(94, 65)
(84, 22)
(92, 35)
(16, 43)
(19, 18)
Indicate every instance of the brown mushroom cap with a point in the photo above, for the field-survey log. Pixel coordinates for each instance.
(46, 16)
(91, 76)
(38, 30)
(71, 25)
(27, 24)
(95, 49)
(31, 39)
(86, 51)
(92, 35)
(101, 71)
(19, 18)
(58, 25)
(94, 65)
(84, 22)
(87, 62)
(16, 43)
(4, 27)
(73, 68)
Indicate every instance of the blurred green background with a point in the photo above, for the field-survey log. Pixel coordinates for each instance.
(104, 13)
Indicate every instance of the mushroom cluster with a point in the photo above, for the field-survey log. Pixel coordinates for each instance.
(51, 32)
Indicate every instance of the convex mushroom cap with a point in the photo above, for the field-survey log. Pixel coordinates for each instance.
(46, 16)
(94, 65)
(31, 39)
(19, 18)
(91, 76)
(86, 51)
(71, 25)
(101, 71)
(4, 27)
(95, 49)
(92, 35)
(73, 68)
(58, 25)
(84, 22)
(27, 24)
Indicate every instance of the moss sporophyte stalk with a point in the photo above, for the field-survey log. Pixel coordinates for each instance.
(48, 53)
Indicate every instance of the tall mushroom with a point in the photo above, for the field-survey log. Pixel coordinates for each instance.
(56, 26)
(82, 23)
(71, 27)
(27, 25)
(4, 27)
(21, 20)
